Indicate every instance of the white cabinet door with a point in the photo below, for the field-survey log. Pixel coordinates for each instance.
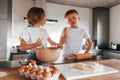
(3, 9)
(3, 39)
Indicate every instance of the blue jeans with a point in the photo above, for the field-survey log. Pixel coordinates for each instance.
(33, 57)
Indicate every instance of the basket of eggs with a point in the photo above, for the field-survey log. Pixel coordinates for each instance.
(49, 54)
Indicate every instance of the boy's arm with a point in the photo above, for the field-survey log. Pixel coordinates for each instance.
(89, 47)
(64, 37)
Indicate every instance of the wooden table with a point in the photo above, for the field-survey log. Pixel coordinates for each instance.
(12, 73)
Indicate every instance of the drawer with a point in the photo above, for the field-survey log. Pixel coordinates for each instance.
(18, 56)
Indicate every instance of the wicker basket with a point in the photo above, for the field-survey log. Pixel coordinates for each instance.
(47, 55)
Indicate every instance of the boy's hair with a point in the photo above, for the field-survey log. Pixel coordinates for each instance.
(71, 11)
(34, 15)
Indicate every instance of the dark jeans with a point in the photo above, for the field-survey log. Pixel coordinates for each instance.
(33, 57)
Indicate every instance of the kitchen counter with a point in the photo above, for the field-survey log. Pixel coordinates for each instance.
(112, 50)
(12, 73)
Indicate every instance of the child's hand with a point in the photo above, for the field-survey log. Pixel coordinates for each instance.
(39, 42)
(60, 46)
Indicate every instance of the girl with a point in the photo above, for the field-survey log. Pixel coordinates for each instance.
(35, 36)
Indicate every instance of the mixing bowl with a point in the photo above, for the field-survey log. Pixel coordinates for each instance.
(47, 55)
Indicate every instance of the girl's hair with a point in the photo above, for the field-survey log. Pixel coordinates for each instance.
(34, 15)
(70, 12)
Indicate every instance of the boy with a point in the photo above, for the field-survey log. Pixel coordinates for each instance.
(73, 36)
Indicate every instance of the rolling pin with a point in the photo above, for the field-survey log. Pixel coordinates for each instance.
(80, 56)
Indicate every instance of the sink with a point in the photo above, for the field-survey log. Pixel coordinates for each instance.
(9, 64)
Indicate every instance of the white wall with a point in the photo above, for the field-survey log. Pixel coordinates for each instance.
(54, 11)
(57, 11)
(115, 24)
(19, 10)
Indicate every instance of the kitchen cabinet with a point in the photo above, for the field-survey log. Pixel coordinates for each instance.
(3, 9)
(5, 27)
(99, 55)
(101, 27)
(113, 54)
(18, 56)
(3, 38)
(11, 23)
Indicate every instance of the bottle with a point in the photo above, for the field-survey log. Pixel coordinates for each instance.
(13, 49)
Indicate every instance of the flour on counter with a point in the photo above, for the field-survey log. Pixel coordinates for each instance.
(87, 67)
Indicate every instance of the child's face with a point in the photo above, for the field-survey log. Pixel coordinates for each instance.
(73, 19)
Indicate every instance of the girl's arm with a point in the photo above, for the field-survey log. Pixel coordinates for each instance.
(62, 39)
(25, 46)
(51, 41)
(54, 43)
(89, 47)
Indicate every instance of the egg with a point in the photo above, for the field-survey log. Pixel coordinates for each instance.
(54, 71)
(47, 74)
(22, 70)
(39, 72)
(33, 62)
(33, 70)
(28, 69)
(23, 67)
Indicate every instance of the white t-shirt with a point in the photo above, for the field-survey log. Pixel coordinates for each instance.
(74, 40)
(32, 34)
